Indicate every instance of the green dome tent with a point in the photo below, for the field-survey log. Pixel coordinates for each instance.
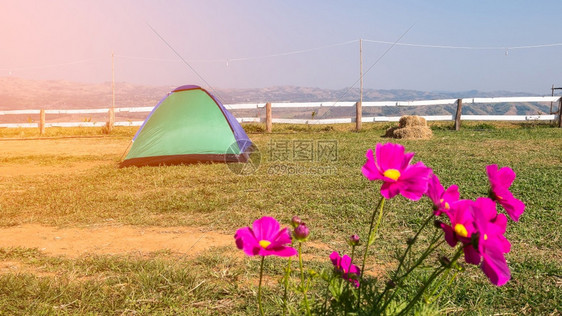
(189, 125)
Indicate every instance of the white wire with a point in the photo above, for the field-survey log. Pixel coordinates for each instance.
(465, 47)
(307, 50)
(228, 60)
(293, 52)
(171, 59)
(300, 51)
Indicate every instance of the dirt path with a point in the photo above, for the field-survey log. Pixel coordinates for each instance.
(109, 239)
(74, 242)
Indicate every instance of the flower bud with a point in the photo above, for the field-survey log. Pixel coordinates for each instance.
(295, 221)
(354, 240)
(301, 232)
(390, 284)
(444, 261)
(411, 240)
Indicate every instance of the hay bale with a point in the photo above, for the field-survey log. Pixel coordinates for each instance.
(410, 127)
(414, 132)
(411, 120)
(390, 131)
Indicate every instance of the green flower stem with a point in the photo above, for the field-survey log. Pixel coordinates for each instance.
(370, 240)
(303, 286)
(324, 306)
(433, 276)
(438, 284)
(410, 245)
(449, 283)
(259, 287)
(435, 243)
(287, 275)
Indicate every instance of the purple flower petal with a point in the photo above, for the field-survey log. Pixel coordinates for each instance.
(281, 238)
(513, 207)
(495, 266)
(414, 181)
(349, 271)
(370, 169)
(434, 190)
(246, 241)
(389, 156)
(450, 236)
(390, 189)
(280, 252)
(264, 229)
(471, 255)
(392, 165)
(500, 181)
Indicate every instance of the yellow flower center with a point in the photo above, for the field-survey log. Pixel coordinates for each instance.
(264, 243)
(447, 206)
(392, 174)
(461, 230)
(485, 237)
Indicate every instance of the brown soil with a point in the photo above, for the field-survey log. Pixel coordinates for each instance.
(74, 242)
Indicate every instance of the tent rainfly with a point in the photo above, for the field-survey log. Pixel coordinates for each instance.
(189, 125)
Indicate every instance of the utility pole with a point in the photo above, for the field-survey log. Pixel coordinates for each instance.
(112, 80)
(111, 113)
(359, 105)
(552, 89)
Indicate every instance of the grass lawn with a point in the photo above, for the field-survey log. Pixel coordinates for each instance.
(327, 190)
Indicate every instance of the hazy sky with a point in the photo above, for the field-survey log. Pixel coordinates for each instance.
(74, 40)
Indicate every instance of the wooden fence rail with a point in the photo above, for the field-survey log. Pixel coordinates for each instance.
(269, 120)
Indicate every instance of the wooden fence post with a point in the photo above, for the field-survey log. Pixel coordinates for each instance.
(458, 115)
(41, 121)
(560, 112)
(111, 119)
(358, 115)
(268, 121)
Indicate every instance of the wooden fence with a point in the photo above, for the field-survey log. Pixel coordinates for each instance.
(269, 120)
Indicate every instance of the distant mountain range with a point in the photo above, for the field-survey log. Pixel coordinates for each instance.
(17, 93)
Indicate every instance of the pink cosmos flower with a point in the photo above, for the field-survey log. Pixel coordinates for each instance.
(461, 229)
(442, 199)
(265, 238)
(477, 224)
(500, 181)
(491, 242)
(392, 166)
(350, 272)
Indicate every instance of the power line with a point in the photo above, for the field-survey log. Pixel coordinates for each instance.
(376, 62)
(288, 53)
(185, 62)
(307, 50)
(228, 60)
(466, 47)
(301, 51)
